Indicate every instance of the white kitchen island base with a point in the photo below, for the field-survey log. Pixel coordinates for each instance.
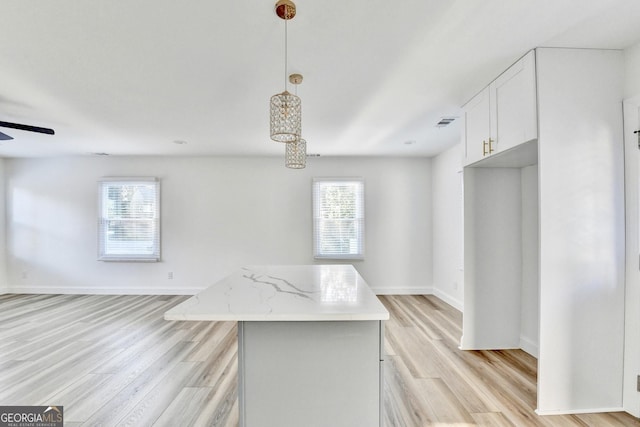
(310, 344)
(312, 374)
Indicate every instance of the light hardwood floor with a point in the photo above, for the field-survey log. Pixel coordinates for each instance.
(114, 361)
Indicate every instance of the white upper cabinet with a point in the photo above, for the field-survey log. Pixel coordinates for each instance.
(503, 115)
(477, 126)
(513, 105)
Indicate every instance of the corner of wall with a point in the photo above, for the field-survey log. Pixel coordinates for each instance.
(449, 299)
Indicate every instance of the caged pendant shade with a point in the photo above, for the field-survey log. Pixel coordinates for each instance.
(296, 154)
(285, 117)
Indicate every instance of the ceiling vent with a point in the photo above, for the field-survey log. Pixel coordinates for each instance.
(445, 121)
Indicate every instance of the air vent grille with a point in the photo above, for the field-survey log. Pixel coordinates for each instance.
(445, 121)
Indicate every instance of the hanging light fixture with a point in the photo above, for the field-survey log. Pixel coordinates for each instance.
(296, 151)
(285, 108)
(296, 154)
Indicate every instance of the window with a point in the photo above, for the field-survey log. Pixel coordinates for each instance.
(338, 218)
(129, 226)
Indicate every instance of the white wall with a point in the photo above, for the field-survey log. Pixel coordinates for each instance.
(581, 185)
(529, 318)
(632, 71)
(3, 239)
(218, 214)
(631, 398)
(448, 279)
(492, 257)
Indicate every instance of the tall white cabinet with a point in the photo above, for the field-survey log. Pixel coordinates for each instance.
(544, 224)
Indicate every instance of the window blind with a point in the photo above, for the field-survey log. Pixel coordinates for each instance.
(338, 218)
(128, 223)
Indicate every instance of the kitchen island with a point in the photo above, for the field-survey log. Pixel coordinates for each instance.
(310, 343)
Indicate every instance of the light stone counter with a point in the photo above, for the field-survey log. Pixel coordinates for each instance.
(285, 293)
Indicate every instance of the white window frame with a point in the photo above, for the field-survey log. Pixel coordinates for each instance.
(356, 251)
(104, 253)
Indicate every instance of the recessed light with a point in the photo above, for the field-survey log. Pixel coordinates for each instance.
(179, 142)
(100, 154)
(410, 142)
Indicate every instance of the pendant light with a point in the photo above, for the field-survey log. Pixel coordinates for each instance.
(285, 108)
(296, 152)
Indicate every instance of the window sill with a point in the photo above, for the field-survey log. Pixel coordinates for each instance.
(117, 259)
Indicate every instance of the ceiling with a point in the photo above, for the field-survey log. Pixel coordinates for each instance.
(134, 77)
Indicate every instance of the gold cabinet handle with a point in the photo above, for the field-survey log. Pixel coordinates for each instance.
(490, 147)
(484, 148)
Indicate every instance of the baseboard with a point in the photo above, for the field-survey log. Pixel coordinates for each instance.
(579, 411)
(102, 291)
(489, 347)
(403, 291)
(454, 302)
(529, 346)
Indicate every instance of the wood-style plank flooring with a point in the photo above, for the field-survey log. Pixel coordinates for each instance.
(114, 361)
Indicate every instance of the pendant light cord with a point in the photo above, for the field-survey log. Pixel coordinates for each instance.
(285, 52)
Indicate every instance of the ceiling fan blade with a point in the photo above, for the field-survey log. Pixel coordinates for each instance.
(5, 137)
(27, 128)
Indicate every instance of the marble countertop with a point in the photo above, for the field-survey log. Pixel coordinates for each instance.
(285, 293)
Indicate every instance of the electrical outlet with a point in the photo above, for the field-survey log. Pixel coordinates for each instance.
(455, 286)
(25, 275)
(170, 275)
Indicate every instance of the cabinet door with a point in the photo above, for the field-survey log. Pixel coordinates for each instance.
(477, 126)
(513, 105)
